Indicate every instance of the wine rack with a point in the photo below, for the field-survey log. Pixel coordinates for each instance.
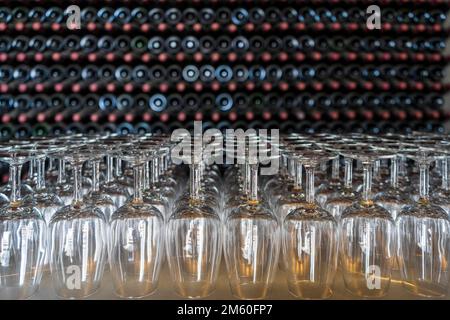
(154, 66)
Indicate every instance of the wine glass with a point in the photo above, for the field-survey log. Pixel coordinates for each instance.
(393, 199)
(43, 198)
(23, 234)
(424, 238)
(27, 185)
(136, 236)
(441, 196)
(331, 187)
(117, 192)
(294, 195)
(96, 197)
(63, 189)
(276, 188)
(310, 240)
(337, 203)
(367, 247)
(78, 237)
(194, 240)
(251, 244)
(155, 193)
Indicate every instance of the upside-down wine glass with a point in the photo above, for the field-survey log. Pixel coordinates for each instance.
(96, 197)
(367, 237)
(310, 240)
(78, 238)
(137, 235)
(252, 243)
(424, 238)
(23, 234)
(194, 240)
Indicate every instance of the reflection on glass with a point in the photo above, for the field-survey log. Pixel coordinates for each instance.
(310, 244)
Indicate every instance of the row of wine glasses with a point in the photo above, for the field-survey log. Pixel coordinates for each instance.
(129, 200)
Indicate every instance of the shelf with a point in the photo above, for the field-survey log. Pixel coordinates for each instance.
(165, 292)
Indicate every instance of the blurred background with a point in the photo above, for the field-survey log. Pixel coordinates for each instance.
(154, 66)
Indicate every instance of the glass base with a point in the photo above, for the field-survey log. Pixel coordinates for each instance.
(194, 290)
(17, 293)
(310, 291)
(250, 291)
(136, 290)
(425, 289)
(77, 294)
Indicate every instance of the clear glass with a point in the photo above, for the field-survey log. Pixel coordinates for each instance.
(252, 241)
(367, 248)
(441, 196)
(393, 199)
(336, 204)
(153, 193)
(331, 187)
(23, 235)
(63, 189)
(43, 198)
(423, 243)
(136, 243)
(78, 240)
(194, 243)
(294, 195)
(96, 197)
(118, 193)
(310, 246)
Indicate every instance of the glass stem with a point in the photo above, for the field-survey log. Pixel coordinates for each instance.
(137, 173)
(367, 181)
(14, 173)
(77, 177)
(323, 167)
(310, 191)
(118, 167)
(335, 169)
(445, 172)
(359, 165)
(165, 163)
(284, 161)
(40, 174)
(161, 165)
(394, 172)
(195, 181)
(109, 169)
(376, 169)
(147, 174)
(95, 175)
(424, 180)
(247, 177)
(155, 170)
(61, 171)
(291, 167)
(402, 166)
(31, 170)
(298, 175)
(50, 164)
(254, 182)
(348, 173)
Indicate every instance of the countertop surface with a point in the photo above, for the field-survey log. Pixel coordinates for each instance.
(165, 292)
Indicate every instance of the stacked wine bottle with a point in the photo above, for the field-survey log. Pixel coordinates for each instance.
(154, 66)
